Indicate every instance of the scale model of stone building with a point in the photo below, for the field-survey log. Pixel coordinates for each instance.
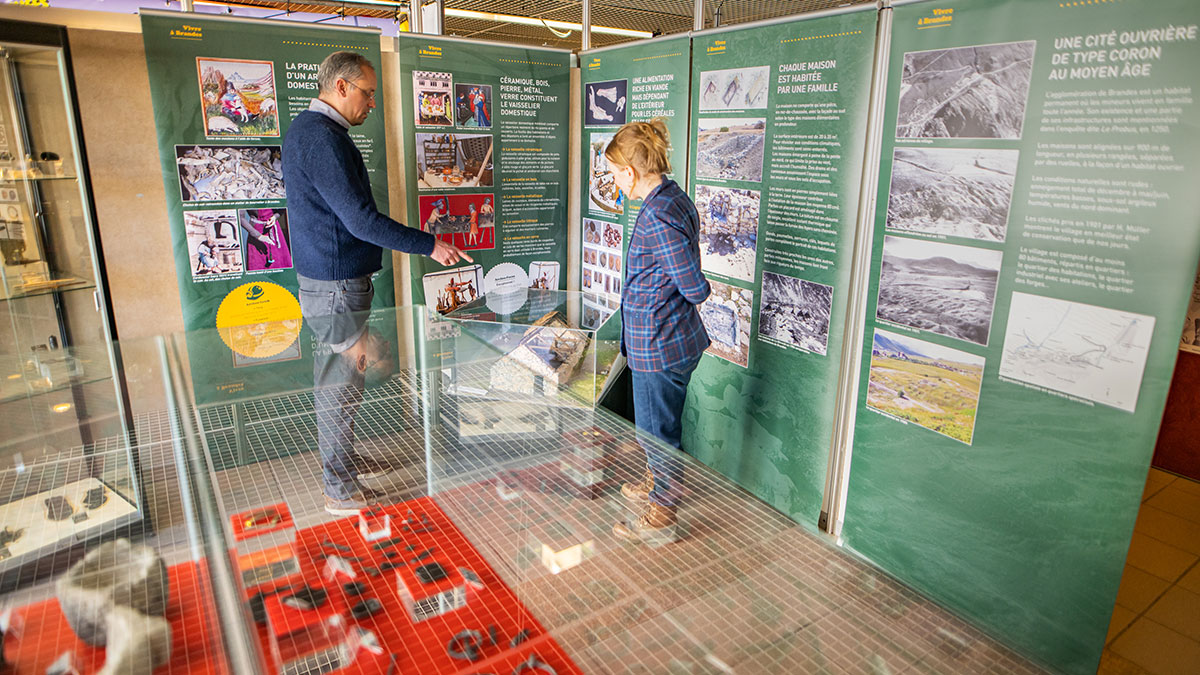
(544, 361)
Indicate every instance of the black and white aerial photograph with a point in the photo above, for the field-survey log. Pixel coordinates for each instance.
(795, 313)
(957, 192)
(965, 92)
(942, 288)
(731, 148)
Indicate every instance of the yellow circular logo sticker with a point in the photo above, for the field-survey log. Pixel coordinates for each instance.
(259, 319)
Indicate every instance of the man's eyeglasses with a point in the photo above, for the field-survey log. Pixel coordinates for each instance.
(370, 94)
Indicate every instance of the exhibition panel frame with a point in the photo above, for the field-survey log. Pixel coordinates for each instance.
(1034, 247)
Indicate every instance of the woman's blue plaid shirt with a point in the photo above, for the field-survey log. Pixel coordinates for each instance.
(663, 283)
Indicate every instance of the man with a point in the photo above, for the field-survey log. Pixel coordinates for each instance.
(338, 237)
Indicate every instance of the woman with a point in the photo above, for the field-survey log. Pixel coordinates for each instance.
(662, 336)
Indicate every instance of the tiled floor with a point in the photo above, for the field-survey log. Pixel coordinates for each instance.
(1156, 624)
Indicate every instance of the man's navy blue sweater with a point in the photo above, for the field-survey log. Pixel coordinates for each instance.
(337, 231)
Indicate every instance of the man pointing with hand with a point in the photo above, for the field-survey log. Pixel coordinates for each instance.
(338, 237)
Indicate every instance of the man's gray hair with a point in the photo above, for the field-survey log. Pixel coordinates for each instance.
(346, 66)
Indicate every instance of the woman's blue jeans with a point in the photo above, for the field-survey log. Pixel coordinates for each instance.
(658, 399)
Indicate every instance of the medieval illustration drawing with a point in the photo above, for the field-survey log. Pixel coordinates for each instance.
(238, 97)
(432, 99)
(213, 245)
(447, 290)
(467, 221)
(473, 105)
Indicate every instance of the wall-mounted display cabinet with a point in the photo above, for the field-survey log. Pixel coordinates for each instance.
(66, 440)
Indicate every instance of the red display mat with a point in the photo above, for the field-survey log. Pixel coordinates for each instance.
(419, 647)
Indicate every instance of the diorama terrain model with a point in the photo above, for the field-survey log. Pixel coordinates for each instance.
(958, 192)
(545, 359)
(728, 230)
(942, 288)
(605, 104)
(238, 97)
(730, 149)
(735, 89)
(604, 194)
(1095, 353)
(230, 172)
(795, 312)
(726, 317)
(933, 386)
(483, 419)
(446, 161)
(965, 92)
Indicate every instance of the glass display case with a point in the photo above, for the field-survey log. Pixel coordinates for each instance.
(108, 599)
(477, 554)
(532, 346)
(68, 466)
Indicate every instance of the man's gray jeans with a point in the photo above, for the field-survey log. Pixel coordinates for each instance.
(336, 313)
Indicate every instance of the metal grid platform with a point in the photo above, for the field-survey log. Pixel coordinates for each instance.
(745, 590)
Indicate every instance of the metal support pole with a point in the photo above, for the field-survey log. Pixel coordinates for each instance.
(440, 29)
(414, 16)
(186, 5)
(698, 15)
(587, 25)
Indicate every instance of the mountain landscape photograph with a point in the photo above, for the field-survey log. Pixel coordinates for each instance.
(927, 384)
(942, 288)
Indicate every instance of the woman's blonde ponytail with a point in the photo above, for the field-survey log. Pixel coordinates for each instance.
(645, 146)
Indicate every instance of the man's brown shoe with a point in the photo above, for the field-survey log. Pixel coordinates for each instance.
(656, 526)
(367, 468)
(363, 499)
(639, 493)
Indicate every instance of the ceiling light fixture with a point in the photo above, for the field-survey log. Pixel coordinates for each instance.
(487, 16)
(530, 21)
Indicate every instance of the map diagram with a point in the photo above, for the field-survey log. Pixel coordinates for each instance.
(1087, 351)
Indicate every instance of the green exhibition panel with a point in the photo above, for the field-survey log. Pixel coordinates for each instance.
(630, 83)
(486, 150)
(224, 92)
(779, 117)
(1035, 243)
